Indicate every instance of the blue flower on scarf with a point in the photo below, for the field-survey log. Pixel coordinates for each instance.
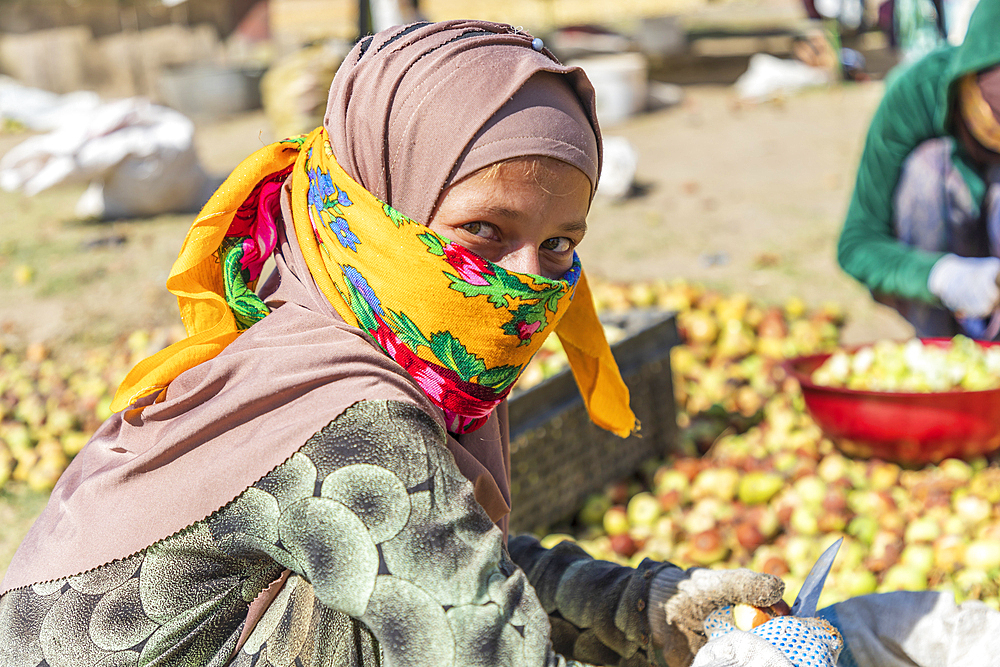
(315, 198)
(347, 238)
(342, 197)
(360, 284)
(321, 188)
(573, 273)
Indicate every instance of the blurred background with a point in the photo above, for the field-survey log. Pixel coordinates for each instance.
(733, 130)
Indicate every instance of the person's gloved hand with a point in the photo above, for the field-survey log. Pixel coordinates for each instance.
(966, 285)
(784, 641)
(680, 601)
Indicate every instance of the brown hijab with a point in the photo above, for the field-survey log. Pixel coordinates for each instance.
(451, 98)
(454, 97)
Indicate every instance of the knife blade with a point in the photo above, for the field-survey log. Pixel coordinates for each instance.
(808, 597)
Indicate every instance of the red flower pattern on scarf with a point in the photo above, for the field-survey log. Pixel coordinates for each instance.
(467, 406)
(470, 266)
(255, 220)
(525, 330)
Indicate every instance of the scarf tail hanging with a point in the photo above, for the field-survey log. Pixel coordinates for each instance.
(594, 368)
(197, 281)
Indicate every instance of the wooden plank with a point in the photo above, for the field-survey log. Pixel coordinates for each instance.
(55, 59)
(303, 21)
(542, 15)
(746, 18)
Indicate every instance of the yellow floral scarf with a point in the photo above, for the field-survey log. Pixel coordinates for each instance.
(462, 327)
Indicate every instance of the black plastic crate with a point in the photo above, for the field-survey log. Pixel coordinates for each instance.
(558, 457)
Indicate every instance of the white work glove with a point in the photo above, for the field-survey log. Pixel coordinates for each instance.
(680, 601)
(784, 641)
(966, 285)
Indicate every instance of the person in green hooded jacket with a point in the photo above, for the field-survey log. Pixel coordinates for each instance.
(923, 227)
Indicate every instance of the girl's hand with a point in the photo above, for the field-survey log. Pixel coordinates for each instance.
(681, 601)
(783, 641)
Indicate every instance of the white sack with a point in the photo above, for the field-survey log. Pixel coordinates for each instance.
(767, 77)
(42, 110)
(138, 157)
(618, 171)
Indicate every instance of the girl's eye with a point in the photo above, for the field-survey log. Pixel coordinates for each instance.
(482, 229)
(558, 244)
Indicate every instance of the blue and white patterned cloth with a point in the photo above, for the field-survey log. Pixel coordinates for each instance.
(782, 641)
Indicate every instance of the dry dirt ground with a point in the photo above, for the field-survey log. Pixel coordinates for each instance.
(737, 197)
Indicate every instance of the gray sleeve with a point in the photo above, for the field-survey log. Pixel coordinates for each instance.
(915, 629)
(598, 609)
(374, 513)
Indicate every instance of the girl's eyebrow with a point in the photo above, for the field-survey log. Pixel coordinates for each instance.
(501, 211)
(577, 226)
(510, 214)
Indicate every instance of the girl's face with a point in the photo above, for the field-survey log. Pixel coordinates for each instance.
(527, 215)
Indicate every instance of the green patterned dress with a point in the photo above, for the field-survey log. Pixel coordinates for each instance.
(389, 561)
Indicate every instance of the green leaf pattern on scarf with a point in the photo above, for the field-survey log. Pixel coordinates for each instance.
(396, 217)
(247, 307)
(406, 329)
(494, 292)
(433, 243)
(499, 377)
(526, 315)
(298, 141)
(453, 355)
(361, 308)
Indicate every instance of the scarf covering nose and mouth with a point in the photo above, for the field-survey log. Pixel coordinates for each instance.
(462, 327)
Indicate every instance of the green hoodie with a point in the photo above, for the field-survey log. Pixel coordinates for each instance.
(917, 106)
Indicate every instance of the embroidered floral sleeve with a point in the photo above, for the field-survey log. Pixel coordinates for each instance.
(386, 530)
(392, 561)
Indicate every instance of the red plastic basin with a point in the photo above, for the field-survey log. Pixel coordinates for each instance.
(912, 429)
